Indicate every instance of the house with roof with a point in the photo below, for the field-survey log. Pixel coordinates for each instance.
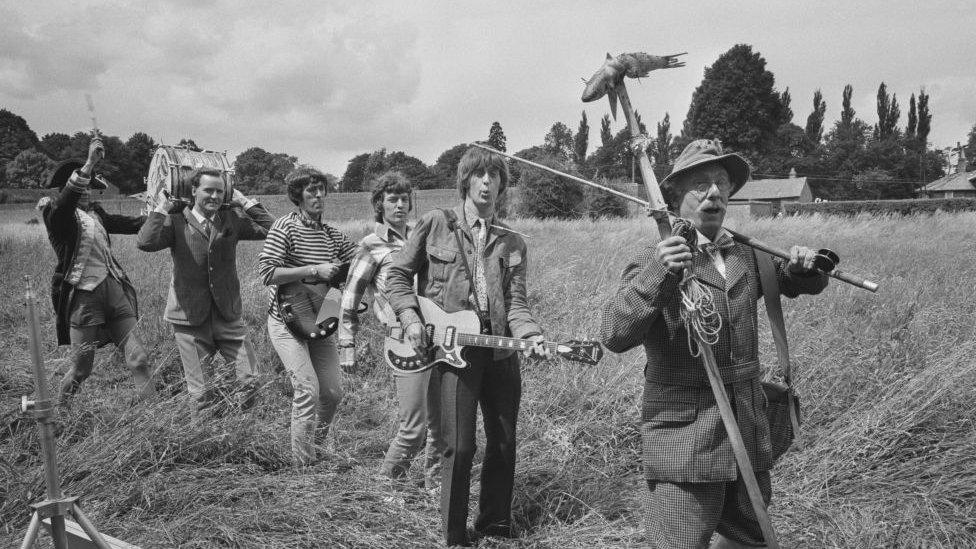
(958, 184)
(766, 196)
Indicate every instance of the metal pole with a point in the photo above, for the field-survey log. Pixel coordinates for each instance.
(838, 274)
(43, 412)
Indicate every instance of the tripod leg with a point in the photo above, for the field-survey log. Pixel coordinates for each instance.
(89, 528)
(31, 536)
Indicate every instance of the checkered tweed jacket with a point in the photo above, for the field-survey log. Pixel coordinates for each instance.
(682, 432)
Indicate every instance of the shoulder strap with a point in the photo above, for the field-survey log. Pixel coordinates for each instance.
(774, 308)
(452, 225)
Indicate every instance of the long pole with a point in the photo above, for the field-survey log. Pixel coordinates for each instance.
(838, 274)
(43, 412)
(708, 358)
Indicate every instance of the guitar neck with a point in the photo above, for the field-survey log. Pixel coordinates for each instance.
(499, 342)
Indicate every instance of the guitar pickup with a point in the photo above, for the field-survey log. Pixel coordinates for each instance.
(396, 332)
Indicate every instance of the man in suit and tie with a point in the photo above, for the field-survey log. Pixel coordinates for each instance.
(693, 486)
(204, 301)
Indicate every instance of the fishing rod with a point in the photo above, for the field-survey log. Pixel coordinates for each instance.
(825, 262)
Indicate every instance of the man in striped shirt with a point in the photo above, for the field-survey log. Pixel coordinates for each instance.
(300, 247)
(391, 201)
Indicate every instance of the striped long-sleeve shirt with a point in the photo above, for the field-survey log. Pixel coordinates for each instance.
(295, 240)
(367, 276)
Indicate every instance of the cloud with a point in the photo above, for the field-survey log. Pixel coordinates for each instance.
(48, 57)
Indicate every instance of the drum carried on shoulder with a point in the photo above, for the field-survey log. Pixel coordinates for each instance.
(171, 167)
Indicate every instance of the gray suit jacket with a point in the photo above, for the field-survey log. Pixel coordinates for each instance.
(204, 269)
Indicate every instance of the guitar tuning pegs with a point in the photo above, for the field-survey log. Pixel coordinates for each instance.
(312, 335)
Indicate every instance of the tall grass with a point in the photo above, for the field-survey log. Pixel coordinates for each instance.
(887, 383)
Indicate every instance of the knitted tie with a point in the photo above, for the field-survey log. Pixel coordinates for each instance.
(480, 283)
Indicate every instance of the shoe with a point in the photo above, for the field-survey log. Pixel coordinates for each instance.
(496, 531)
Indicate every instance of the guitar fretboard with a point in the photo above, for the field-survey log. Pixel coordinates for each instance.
(499, 342)
(489, 341)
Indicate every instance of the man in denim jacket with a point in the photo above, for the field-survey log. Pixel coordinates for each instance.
(496, 259)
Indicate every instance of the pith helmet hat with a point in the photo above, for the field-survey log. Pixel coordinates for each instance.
(702, 152)
(62, 172)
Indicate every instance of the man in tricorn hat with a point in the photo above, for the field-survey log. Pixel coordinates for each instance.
(94, 302)
(694, 489)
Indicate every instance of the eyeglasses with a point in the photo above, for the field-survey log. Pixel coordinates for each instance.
(703, 187)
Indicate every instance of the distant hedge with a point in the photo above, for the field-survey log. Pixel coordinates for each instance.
(882, 207)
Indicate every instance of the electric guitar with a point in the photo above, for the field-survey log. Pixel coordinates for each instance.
(309, 310)
(450, 333)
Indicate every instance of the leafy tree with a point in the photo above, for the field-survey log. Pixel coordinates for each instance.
(581, 140)
(28, 170)
(661, 148)
(814, 128)
(971, 149)
(786, 113)
(911, 128)
(445, 169)
(888, 114)
(375, 165)
(924, 121)
(419, 175)
(15, 136)
(55, 145)
(139, 151)
(737, 103)
(189, 143)
(559, 141)
(496, 137)
(545, 195)
(601, 204)
(257, 171)
(606, 135)
(352, 179)
(516, 170)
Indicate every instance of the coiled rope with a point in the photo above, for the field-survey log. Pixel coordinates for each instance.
(702, 321)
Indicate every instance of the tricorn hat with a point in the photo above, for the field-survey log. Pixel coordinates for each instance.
(62, 172)
(709, 151)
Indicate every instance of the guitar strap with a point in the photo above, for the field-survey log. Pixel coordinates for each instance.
(452, 224)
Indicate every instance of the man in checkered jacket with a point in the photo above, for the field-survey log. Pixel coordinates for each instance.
(694, 489)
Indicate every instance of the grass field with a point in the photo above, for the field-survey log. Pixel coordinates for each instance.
(887, 382)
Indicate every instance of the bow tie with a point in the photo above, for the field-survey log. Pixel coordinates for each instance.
(723, 245)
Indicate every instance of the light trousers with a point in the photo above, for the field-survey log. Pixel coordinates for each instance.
(199, 345)
(316, 380)
(419, 421)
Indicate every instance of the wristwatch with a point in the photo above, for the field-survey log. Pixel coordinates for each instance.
(313, 272)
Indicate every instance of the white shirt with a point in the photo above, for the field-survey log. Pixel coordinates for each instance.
(716, 256)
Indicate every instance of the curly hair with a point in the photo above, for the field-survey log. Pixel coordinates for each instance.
(300, 178)
(389, 182)
(475, 159)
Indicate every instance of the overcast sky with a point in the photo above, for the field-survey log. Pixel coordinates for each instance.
(327, 80)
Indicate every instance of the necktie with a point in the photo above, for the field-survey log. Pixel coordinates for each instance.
(207, 227)
(722, 244)
(481, 284)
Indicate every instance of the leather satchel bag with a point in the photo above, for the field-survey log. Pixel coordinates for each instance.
(784, 405)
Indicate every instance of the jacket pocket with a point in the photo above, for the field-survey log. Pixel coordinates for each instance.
(669, 412)
(440, 259)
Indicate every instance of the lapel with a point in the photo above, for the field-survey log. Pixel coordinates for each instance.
(191, 220)
(706, 272)
(462, 224)
(735, 265)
